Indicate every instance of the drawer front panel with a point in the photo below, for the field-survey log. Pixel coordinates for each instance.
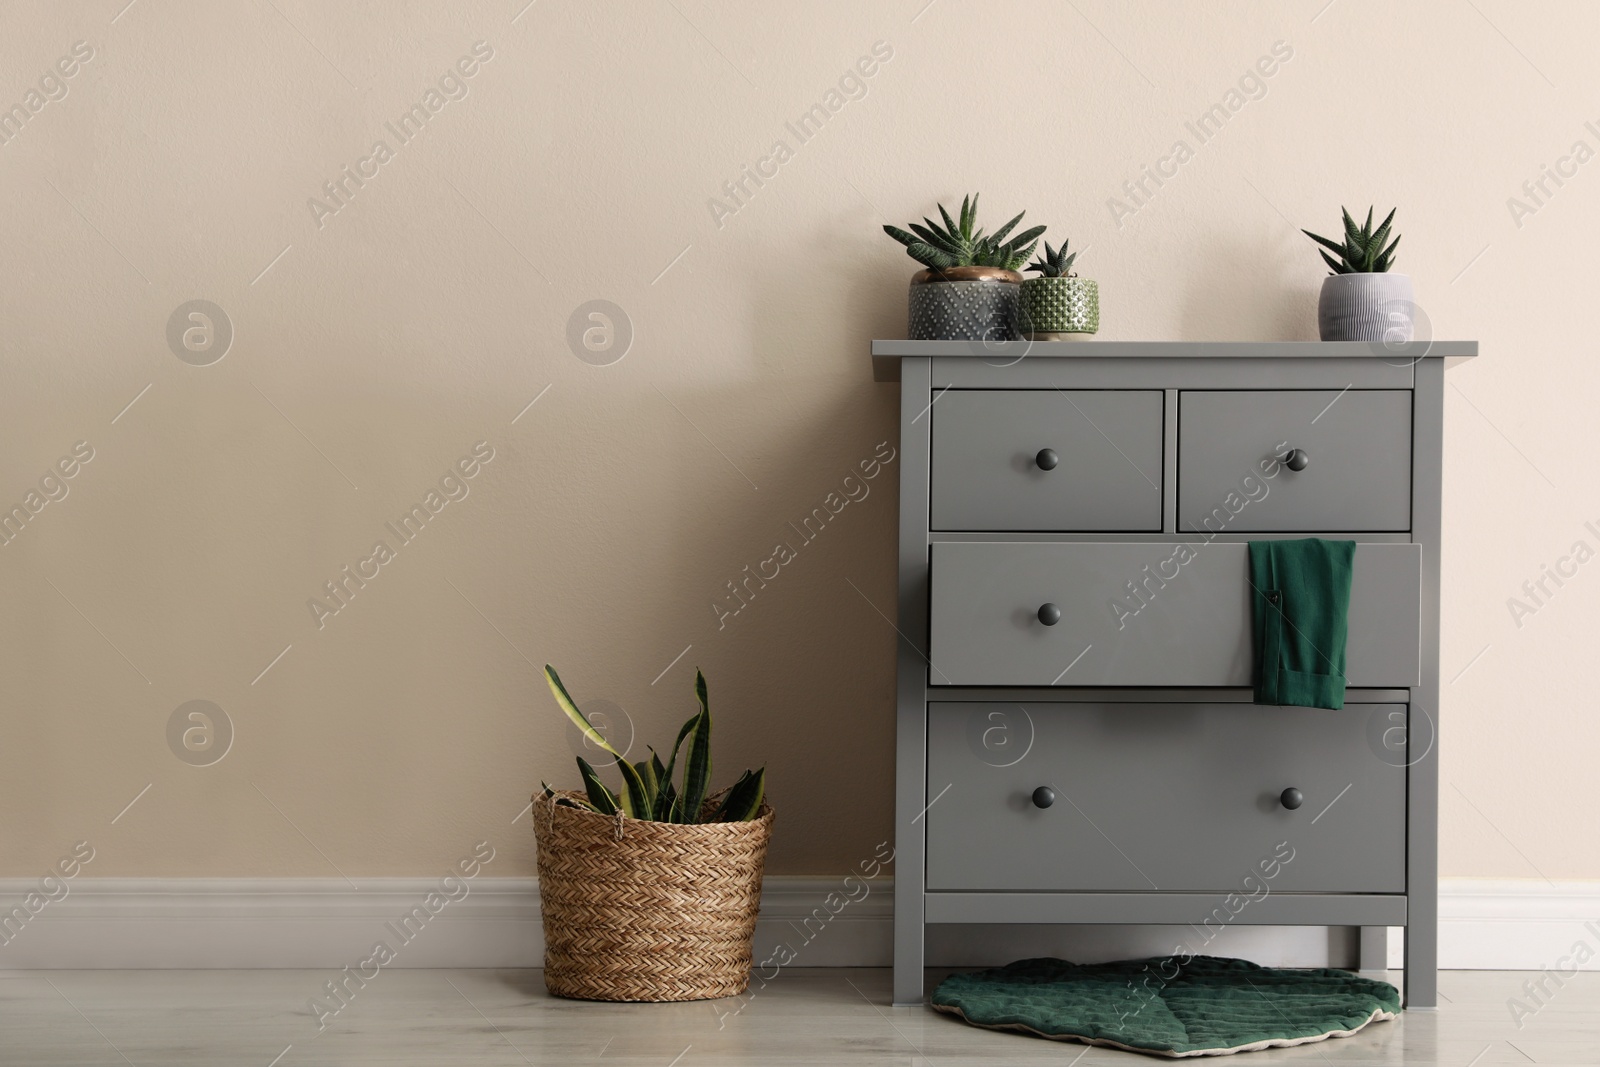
(1189, 623)
(1358, 471)
(1164, 797)
(986, 474)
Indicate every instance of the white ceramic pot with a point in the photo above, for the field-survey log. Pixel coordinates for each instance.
(1367, 307)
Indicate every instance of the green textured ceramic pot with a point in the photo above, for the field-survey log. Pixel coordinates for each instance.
(1059, 305)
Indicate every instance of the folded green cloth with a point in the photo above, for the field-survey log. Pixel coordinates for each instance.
(1300, 604)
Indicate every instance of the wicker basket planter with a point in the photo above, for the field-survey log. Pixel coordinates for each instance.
(641, 910)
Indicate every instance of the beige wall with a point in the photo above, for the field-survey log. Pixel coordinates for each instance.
(422, 316)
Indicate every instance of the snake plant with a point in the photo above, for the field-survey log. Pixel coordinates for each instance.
(1363, 250)
(1055, 263)
(648, 790)
(958, 244)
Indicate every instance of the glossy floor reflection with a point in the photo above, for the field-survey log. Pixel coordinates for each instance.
(819, 1016)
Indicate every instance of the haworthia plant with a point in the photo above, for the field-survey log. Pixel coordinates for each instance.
(1055, 263)
(1363, 250)
(648, 790)
(960, 244)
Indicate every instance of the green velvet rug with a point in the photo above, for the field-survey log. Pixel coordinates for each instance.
(1205, 1006)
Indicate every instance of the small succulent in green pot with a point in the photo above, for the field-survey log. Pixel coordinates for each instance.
(1058, 305)
(969, 289)
(1362, 298)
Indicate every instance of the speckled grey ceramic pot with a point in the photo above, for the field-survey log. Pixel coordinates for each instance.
(1060, 305)
(1367, 307)
(964, 304)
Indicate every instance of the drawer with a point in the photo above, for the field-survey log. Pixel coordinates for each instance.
(1189, 623)
(1170, 797)
(986, 473)
(1358, 471)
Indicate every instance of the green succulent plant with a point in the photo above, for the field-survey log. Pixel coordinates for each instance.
(1363, 251)
(648, 791)
(1054, 263)
(958, 244)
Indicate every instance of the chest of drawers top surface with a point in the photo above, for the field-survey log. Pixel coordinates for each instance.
(886, 354)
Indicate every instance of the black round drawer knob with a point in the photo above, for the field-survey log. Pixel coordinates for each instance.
(1296, 459)
(1043, 797)
(1047, 459)
(1291, 798)
(1049, 614)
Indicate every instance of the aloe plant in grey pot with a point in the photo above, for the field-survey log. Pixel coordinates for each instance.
(1058, 305)
(970, 289)
(1362, 299)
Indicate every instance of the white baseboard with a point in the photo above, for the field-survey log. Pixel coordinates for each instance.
(325, 923)
(1515, 924)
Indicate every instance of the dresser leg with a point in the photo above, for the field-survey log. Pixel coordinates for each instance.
(908, 978)
(1373, 953)
(1422, 965)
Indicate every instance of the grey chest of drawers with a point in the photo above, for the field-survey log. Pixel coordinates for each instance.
(1076, 741)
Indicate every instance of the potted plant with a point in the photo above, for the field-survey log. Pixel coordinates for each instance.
(1362, 300)
(969, 290)
(1058, 305)
(650, 892)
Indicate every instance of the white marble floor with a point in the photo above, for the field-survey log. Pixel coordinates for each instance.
(410, 1018)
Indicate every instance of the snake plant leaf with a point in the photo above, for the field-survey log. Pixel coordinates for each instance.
(743, 802)
(636, 803)
(601, 799)
(562, 802)
(570, 706)
(697, 766)
(683, 732)
(635, 799)
(692, 778)
(652, 785)
(666, 800)
(668, 790)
